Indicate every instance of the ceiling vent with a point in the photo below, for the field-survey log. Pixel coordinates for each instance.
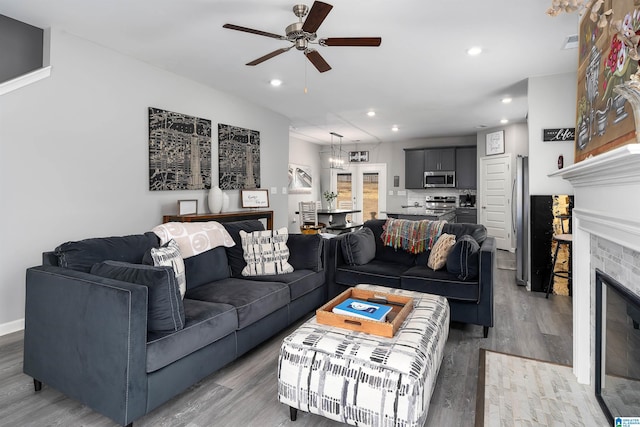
(571, 42)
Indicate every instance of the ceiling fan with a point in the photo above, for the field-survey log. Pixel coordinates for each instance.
(301, 34)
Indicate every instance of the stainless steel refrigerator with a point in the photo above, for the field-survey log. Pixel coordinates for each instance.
(521, 224)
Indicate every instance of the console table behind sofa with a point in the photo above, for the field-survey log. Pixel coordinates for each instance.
(223, 217)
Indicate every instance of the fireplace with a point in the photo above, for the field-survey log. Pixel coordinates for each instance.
(617, 348)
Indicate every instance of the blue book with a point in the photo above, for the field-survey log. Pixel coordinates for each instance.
(362, 309)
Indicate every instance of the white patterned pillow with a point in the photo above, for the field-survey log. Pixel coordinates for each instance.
(440, 251)
(265, 252)
(169, 255)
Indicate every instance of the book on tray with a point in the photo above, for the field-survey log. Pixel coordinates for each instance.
(362, 309)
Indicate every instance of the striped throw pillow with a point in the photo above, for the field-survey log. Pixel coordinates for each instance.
(265, 252)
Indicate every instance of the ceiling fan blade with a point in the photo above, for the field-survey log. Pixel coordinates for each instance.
(269, 56)
(317, 60)
(352, 41)
(252, 31)
(318, 12)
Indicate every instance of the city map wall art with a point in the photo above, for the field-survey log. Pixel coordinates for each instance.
(179, 151)
(238, 158)
(604, 118)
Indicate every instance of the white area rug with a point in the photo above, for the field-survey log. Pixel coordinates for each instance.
(517, 391)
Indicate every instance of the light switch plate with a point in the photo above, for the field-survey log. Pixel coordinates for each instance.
(402, 192)
(284, 190)
(391, 192)
(274, 190)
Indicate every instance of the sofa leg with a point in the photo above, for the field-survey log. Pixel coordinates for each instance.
(485, 331)
(293, 413)
(37, 385)
(129, 425)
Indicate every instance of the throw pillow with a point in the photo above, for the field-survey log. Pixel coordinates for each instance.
(464, 259)
(265, 252)
(169, 255)
(165, 310)
(440, 251)
(358, 247)
(235, 254)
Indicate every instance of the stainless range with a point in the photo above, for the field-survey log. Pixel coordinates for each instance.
(444, 207)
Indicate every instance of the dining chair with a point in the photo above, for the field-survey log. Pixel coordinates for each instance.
(346, 204)
(308, 213)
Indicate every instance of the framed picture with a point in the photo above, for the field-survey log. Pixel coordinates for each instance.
(358, 156)
(495, 143)
(187, 207)
(300, 179)
(255, 198)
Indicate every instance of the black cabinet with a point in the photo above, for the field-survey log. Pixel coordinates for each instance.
(440, 159)
(466, 168)
(467, 215)
(414, 169)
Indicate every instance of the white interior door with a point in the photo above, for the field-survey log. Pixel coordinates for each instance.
(365, 186)
(495, 198)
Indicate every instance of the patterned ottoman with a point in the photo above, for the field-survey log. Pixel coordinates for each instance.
(362, 379)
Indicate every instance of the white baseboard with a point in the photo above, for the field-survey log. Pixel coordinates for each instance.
(10, 327)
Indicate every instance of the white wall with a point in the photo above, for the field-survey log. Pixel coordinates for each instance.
(307, 154)
(552, 104)
(74, 155)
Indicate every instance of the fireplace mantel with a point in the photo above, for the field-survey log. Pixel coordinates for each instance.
(606, 205)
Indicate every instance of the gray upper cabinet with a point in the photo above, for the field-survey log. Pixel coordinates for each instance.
(414, 169)
(466, 163)
(440, 159)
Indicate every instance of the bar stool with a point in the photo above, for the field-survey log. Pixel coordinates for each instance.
(563, 238)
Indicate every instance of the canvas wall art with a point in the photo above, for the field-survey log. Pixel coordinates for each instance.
(179, 151)
(238, 158)
(300, 179)
(604, 118)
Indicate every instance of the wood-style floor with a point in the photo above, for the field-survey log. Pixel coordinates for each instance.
(244, 393)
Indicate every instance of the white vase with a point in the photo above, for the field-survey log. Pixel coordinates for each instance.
(215, 199)
(225, 202)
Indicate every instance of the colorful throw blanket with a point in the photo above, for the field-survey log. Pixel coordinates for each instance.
(412, 236)
(194, 238)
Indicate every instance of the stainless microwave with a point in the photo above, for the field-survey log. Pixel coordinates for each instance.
(433, 179)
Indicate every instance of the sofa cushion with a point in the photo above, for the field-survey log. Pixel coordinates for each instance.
(464, 261)
(265, 252)
(235, 253)
(305, 251)
(358, 247)
(422, 279)
(205, 323)
(253, 300)
(477, 231)
(300, 282)
(375, 272)
(207, 267)
(165, 310)
(387, 253)
(440, 251)
(168, 255)
(83, 254)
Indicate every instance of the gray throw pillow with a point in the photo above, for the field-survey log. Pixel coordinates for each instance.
(165, 310)
(464, 260)
(358, 247)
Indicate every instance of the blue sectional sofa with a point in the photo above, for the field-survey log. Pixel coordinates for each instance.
(470, 298)
(93, 337)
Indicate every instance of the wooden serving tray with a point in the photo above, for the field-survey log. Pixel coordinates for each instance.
(396, 316)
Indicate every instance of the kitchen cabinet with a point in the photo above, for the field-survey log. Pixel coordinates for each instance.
(440, 159)
(466, 168)
(467, 215)
(414, 169)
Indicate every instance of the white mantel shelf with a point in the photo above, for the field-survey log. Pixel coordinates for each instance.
(619, 166)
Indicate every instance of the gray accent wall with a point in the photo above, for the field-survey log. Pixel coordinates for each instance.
(74, 155)
(20, 48)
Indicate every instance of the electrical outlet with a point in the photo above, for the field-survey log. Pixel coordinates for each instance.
(391, 192)
(284, 190)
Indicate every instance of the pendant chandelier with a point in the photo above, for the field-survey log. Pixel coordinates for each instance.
(337, 157)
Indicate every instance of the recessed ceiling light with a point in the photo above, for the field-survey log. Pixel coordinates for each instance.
(394, 128)
(506, 100)
(475, 50)
(275, 82)
(371, 113)
(504, 121)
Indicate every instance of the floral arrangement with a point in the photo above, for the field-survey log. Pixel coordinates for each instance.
(330, 196)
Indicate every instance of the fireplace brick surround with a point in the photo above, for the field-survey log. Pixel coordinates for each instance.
(606, 235)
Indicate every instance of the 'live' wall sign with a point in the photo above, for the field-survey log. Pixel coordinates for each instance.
(563, 134)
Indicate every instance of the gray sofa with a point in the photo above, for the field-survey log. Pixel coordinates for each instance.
(90, 336)
(470, 297)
